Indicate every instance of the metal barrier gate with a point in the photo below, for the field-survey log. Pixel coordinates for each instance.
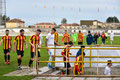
(82, 56)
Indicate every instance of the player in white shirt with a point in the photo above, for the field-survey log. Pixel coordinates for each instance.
(50, 43)
(111, 37)
(107, 70)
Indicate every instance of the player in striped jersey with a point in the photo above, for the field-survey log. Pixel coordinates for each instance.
(77, 65)
(20, 40)
(56, 37)
(7, 42)
(66, 38)
(33, 41)
(65, 53)
(80, 38)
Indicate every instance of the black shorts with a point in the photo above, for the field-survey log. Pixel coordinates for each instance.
(32, 54)
(6, 51)
(65, 43)
(67, 65)
(55, 43)
(20, 53)
(80, 43)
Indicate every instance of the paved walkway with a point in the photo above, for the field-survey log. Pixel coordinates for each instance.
(72, 78)
(44, 70)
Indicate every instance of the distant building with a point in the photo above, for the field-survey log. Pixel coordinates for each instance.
(112, 25)
(70, 26)
(91, 23)
(15, 23)
(45, 25)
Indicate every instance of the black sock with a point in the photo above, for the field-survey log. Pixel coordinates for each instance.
(19, 62)
(67, 71)
(5, 56)
(8, 57)
(30, 62)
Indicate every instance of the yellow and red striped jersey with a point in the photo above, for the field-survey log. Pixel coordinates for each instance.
(56, 36)
(7, 42)
(77, 60)
(65, 51)
(20, 42)
(66, 37)
(80, 37)
(34, 40)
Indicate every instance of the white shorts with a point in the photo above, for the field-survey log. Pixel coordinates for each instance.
(51, 51)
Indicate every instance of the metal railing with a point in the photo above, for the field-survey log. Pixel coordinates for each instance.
(82, 56)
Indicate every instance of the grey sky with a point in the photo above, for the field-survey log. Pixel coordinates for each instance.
(33, 11)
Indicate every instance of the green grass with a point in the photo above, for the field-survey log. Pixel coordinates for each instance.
(44, 56)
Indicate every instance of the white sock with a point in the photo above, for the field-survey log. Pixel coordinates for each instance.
(111, 42)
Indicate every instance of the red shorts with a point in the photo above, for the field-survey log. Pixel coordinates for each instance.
(77, 70)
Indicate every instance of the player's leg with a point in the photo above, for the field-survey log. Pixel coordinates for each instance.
(96, 41)
(78, 72)
(8, 54)
(68, 68)
(19, 59)
(32, 59)
(78, 43)
(5, 56)
(22, 54)
(111, 41)
(104, 41)
(51, 54)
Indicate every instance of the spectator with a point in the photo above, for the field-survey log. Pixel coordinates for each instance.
(89, 38)
(74, 37)
(111, 37)
(80, 38)
(103, 38)
(95, 38)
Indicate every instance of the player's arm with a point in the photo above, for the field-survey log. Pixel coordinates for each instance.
(31, 44)
(82, 36)
(46, 42)
(26, 45)
(25, 42)
(14, 45)
(63, 38)
(59, 38)
(68, 38)
(11, 44)
(1, 42)
(30, 41)
(64, 55)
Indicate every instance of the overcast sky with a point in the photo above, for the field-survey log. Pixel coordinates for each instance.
(33, 11)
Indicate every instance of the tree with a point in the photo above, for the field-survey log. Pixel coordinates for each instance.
(112, 20)
(64, 21)
(4, 17)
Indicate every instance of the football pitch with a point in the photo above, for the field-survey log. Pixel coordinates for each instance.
(44, 56)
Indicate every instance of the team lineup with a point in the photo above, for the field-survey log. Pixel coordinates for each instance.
(52, 39)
